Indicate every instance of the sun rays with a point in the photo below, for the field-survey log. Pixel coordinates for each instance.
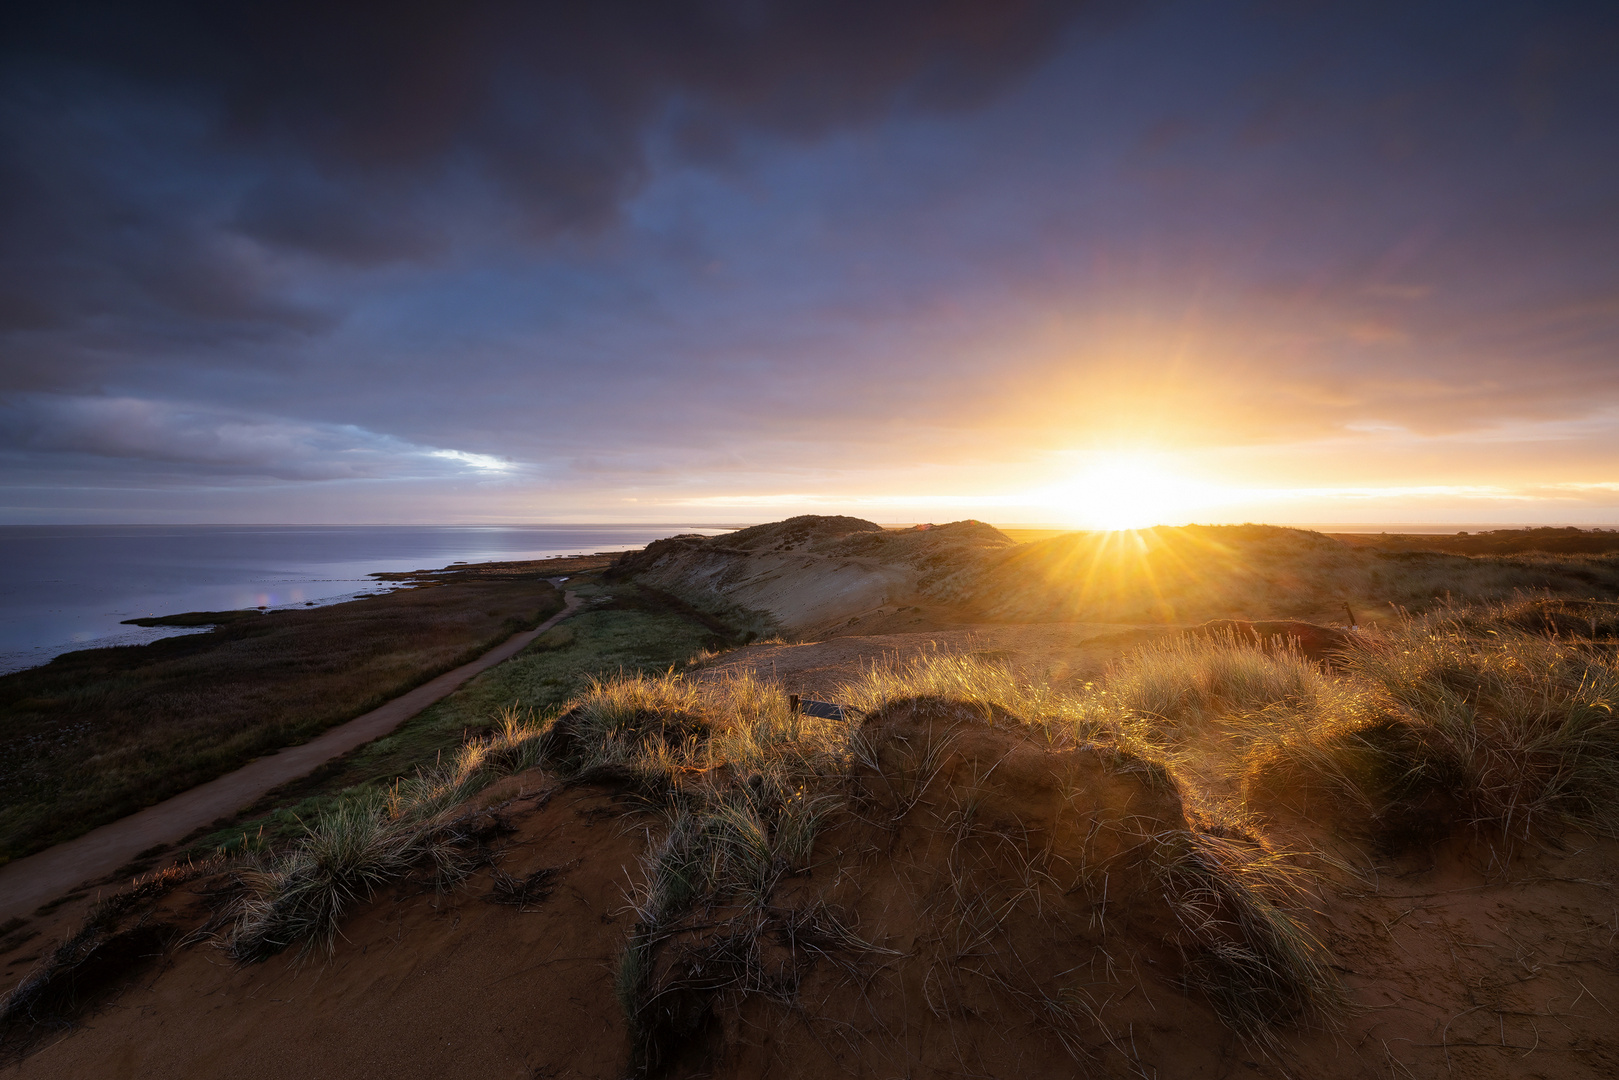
(1128, 491)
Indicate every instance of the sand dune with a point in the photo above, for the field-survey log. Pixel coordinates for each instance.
(816, 577)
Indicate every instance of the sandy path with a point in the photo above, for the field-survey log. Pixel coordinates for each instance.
(29, 882)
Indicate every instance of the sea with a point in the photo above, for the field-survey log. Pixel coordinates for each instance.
(68, 587)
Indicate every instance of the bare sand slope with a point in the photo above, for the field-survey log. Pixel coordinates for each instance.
(816, 576)
(27, 883)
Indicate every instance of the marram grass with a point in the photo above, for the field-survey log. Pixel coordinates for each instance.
(300, 895)
(1517, 727)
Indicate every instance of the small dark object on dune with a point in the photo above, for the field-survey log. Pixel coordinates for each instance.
(825, 710)
(524, 892)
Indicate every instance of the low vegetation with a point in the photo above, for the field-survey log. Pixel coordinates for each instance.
(1472, 715)
(95, 735)
(1196, 573)
(1544, 540)
(773, 578)
(622, 629)
(299, 895)
(1514, 726)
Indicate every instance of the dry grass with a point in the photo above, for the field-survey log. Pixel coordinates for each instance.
(1195, 573)
(1251, 949)
(299, 896)
(747, 783)
(1092, 716)
(1517, 727)
(1240, 904)
(1184, 683)
(740, 780)
(737, 771)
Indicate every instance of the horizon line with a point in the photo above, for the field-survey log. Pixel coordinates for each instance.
(1317, 526)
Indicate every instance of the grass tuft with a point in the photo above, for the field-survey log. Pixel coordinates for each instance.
(1516, 728)
(1511, 718)
(299, 896)
(1250, 947)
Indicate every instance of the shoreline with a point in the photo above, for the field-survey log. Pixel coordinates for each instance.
(150, 629)
(34, 879)
(101, 733)
(69, 588)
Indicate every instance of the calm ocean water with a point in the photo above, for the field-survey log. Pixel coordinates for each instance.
(68, 587)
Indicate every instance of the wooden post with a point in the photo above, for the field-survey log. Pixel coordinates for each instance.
(792, 702)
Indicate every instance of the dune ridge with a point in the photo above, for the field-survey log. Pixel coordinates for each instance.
(815, 577)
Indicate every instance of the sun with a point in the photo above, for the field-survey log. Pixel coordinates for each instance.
(1125, 492)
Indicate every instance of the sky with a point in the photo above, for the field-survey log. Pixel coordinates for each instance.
(1026, 261)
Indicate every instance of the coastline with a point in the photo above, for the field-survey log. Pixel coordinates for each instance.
(29, 881)
(66, 589)
(101, 733)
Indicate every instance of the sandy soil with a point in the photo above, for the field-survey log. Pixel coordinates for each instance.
(423, 984)
(1006, 924)
(982, 951)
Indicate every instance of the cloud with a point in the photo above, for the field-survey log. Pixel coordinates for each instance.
(551, 101)
(704, 246)
(209, 441)
(194, 180)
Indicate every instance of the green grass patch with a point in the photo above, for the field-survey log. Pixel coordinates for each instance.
(98, 734)
(622, 629)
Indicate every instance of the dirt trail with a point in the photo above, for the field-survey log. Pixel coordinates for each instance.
(29, 882)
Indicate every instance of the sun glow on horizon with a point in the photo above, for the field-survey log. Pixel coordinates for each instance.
(1127, 492)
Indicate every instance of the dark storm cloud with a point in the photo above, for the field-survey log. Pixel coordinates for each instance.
(165, 166)
(550, 100)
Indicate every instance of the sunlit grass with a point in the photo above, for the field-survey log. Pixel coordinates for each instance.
(1518, 728)
(1196, 573)
(1515, 727)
